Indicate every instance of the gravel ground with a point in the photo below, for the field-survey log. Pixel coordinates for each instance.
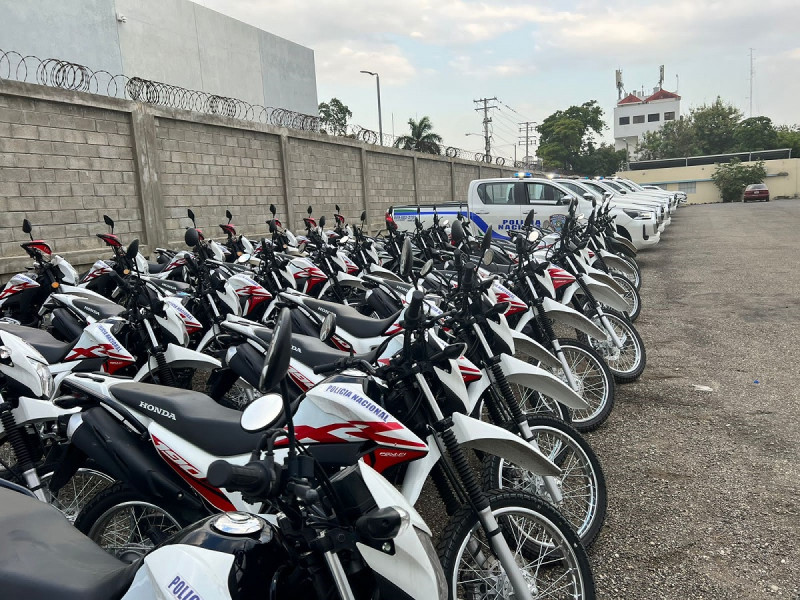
(703, 485)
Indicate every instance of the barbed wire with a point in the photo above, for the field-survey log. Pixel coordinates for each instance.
(72, 76)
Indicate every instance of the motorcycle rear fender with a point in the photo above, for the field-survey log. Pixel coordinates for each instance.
(571, 317)
(534, 349)
(179, 358)
(485, 437)
(524, 374)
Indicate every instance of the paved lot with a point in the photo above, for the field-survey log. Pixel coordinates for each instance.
(704, 486)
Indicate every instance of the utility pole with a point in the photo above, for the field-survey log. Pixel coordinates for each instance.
(486, 120)
(526, 128)
(751, 82)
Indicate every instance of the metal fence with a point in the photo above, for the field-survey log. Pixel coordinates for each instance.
(68, 75)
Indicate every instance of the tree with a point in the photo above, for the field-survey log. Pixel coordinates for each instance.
(566, 134)
(755, 133)
(674, 139)
(789, 137)
(715, 127)
(333, 116)
(731, 178)
(603, 160)
(421, 138)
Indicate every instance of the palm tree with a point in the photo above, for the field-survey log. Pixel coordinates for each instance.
(421, 139)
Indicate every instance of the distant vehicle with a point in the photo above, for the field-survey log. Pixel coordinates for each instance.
(652, 187)
(756, 191)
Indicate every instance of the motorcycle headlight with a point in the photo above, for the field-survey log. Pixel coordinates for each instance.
(45, 379)
(433, 557)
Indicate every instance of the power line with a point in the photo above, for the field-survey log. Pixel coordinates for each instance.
(512, 110)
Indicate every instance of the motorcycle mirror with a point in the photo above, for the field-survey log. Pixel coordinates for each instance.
(302, 246)
(344, 240)
(276, 364)
(406, 259)
(457, 232)
(328, 327)
(363, 216)
(529, 219)
(133, 251)
(272, 227)
(190, 214)
(322, 222)
(272, 209)
(338, 210)
(309, 210)
(486, 242)
(261, 413)
(426, 268)
(534, 235)
(228, 215)
(191, 237)
(243, 258)
(488, 257)
(109, 221)
(26, 227)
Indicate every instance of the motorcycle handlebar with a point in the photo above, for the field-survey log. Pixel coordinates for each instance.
(253, 479)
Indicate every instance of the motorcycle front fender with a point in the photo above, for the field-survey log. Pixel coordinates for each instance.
(604, 278)
(534, 349)
(178, 357)
(606, 294)
(614, 262)
(478, 435)
(571, 317)
(621, 241)
(526, 375)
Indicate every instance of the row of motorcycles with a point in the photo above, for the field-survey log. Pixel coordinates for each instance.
(250, 420)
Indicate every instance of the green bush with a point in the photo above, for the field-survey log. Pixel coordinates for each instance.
(731, 178)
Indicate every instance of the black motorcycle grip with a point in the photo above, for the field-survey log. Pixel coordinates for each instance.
(414, 310)
(336, 365)
(249, 478)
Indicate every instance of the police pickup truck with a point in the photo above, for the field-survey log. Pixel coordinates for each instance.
(505, 202)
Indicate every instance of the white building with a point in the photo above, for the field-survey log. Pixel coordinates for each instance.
(634, 115)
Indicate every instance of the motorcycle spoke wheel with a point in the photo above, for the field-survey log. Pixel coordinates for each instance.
(549, 554)
(595, 384)
(626, 363)
(82, 487)
(132, 529)
(581, 483)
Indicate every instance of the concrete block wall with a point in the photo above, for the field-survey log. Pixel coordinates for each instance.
(322, 175)
(390, 182)
(64, 166)
(212, 169)
(67, 158)
(433, 177)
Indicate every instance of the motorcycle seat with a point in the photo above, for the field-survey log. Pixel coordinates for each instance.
(350, 320)
(98, 309)
(53, 350)
(311, 351)
(154, 268)
(42, 556)
(191, 415)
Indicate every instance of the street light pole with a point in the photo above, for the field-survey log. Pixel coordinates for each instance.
(380, 117)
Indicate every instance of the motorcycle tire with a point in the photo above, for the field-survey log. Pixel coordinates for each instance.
(633, 351)
(584, 500)
(550, 546)
(631, 296)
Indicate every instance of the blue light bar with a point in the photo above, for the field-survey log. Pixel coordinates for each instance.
(522, 175)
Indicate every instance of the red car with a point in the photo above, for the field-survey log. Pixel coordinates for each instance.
(756, 191)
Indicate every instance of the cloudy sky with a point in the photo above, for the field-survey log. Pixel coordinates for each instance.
(436, 56)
